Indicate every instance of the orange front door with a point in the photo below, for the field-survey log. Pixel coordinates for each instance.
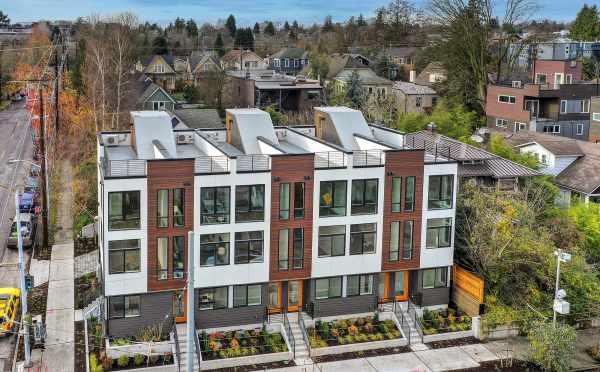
(401, 285)
(180, 306)
(274, 296)
(294, 295)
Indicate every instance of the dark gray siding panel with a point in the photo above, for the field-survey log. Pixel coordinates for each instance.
(344, 305)
(153, 309)
(230, 317)
(435, 296)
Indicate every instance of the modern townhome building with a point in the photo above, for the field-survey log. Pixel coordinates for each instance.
(574, 164)
(289, 61)
(328, 219)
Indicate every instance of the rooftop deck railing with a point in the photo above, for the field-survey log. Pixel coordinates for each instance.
(253, 163)
(330, 159)
(211, 164)
(124, 168)
(368, 158)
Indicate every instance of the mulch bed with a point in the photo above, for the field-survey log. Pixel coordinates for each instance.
(517, 366)
(40, 253)
(257, 367)
(79, 346)
(361, 354)
(450, 343)
(84, 245)
(86, 290)
(37, 299)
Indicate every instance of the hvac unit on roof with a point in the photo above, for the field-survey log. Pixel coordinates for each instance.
(185, 138)
(111, 140)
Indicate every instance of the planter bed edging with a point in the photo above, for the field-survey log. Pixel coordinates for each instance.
(360, 346)
(165, 368)
(158, 348)
(447, 336)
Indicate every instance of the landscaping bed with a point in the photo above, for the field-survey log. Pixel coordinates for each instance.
(594, 352)
(257, 367)
(494, 366)
(79, 346)
(454, 342)
(241, 343)
(125, 362)
(37, 299)
(360, 354)
(84, 245)
(86, 290)
(444, 321)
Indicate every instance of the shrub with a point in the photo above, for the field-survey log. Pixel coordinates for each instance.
(341, 340)
(360, 322)
(361, 338)
(168, 357)
(325, 331)
(319, 325)
(121, 342)
(107, 363)
(138, 360)
(352, 330)
(383, 328)
(595, 351)
(234, 344)
(153, 359)
(94, 366)
(342, 324)
(372, 337)
(552, 348)
(123, 361)
(335, 332)
(349, 339)
(376, 317)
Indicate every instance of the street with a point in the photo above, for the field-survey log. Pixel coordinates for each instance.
(15, 143)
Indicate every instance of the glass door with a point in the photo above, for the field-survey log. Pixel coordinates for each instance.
(274, 298)
(401, 285)
(294, 295)
(179, 306)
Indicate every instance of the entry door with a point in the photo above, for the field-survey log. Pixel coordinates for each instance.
(401, 285)
(274, 298)
(179, 306)
(294, 295)
(383, 287)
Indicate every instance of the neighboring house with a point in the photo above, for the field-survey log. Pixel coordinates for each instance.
(474, 164)
(412, 97)
(594, 119)
(161, 69)
(263, 88)
(328, 220)
(288, 61)
(196, 118)
(242, 60)
(203, 67)
(574, 164)
(404, 57)
(373, 85)
(151, 96)
(432, 74)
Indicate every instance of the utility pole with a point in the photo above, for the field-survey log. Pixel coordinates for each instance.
(24, 322)
(191, 335)
(44, 212)
(56, 78)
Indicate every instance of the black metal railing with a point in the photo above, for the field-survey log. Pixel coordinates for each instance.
(330, 159)
(367, 158)
(197, 346)
(288, 331)
(412, 312)
(177, 349)
(403, 319)
(303, 329)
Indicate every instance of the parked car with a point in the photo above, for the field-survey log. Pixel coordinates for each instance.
(9, 306)
(27, 202)
(28, 230)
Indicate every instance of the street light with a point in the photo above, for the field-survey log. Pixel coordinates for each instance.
(560, 306)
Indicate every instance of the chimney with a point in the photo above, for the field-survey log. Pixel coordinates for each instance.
(412, 76)
(431, 127)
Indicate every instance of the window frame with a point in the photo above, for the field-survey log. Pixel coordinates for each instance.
(215, 215)
(283, 239)
(396, 182)
(213, 290)
(501, 123)
(566, 104)
(284, 213)
(394, 247)
(179, 273)
(438, 272)
(124, 252)
(162, 197)
(124, 214)
(579, 129)
(369, 207)
(413, 193)
(361, 278)
(241, 211)
(213, 244)
(331, 238)
(341, 281)
(299, 208)
(361, 236)
(439, 228)
(126, 301)
(297, 246)
(325, 210)
(411, 225)
(440, 181)
(585, 106)
(179, 216)
(246, 291)
(511, 100)
(165, 270)
(249, 241)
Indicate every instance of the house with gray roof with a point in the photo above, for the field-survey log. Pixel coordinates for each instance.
(203, 66)
(412, 97)
(196, 118)
(288, 61)
(151, 96)
(433, 73)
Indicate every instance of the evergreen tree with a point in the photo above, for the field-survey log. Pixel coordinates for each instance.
(160, 45)
(219, 45)
(586, 26)
(192, 28)
(270, 29)
(179, 25)
(230, 25)
(295, 25)
(292, 35)
(360, 22)
(354, 92)
(286, 26)
(256, 29)
(327, 24)
(244, 39)
(4, 20)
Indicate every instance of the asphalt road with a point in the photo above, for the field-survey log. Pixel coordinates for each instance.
(15, 143)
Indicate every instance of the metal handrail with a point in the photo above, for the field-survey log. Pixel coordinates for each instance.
(177, 349)
(303, 330)
(253, 163)
(412, 312)
(403, 320)
(330, 159)
(211, 164)
(288, 330)
(197, 344)
(367, 158)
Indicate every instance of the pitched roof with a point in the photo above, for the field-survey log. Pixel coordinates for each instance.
(234, 55)
(401, 51)
(338, 62)
(290, 53)
(558, 145)
(583, 174)
(412, 88)
(145, 88)
(200, 59)
(366, 75)
(199, 118)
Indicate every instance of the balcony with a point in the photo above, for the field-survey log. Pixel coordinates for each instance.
(211, 165)
(368, 158)
(253, 163)
(330, 159)
(124, 168)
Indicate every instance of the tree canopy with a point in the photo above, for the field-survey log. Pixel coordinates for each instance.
(230, 25)
(586, 26)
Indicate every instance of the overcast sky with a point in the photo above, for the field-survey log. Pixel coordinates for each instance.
(246, 11)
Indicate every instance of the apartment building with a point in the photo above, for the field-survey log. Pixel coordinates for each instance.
(330, 219)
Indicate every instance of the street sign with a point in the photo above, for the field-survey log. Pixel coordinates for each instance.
(561, 307)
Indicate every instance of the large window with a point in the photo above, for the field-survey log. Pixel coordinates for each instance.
(407, 238)
(214, 249)
(248, 247)
(359, 285)
(395, 241)
(213, 298)
(162, 208)
(178, 207)
(123, 256)
(214, 205)
(396, 194)
(332, 240)
(123, 210)
(439, 232)
(247, 295)
(178, 249)
(123, 306)
(250, 203)
(362, 238)
(328, 287)
(435, 278)
(299, 200)
(502, 98)
(284, 201)
(162, 258)
(284, 242)
(332, 199)
(298, 249)
(409, 194)
(364, 196)
(440, 193)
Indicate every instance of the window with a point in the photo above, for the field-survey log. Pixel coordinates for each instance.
(441, 190)
(284, 236)
(159, 69)
(214, 205)
(569, 79)
(501, 123)
(248, 247)
(159, 105)
(332, 199)
(162, 253)
(521, 126)
(596, 116)
(418, 101)
(585, 106)
(247, 295)
(276, 62)
(579, 129)
(284, 201)
(178, 207)
(123, 210)
(123, 256)
(516, 83)
(162, 208)
(298, 249)
(364, 196)
(439, 232)
(563, 106)
(435, 278)
(540, 79)
(544, 159)
(502, 98)
(397, 194)
(214, 249)
(299, 200)
(359, 285)
(395, 241)
(332, 241)
(328, 287)
(409, 194)
(551, 129)
(213, 298)
(407, 240)
(178, 249)
(250, 203)
(124, 306)
(362, 238)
